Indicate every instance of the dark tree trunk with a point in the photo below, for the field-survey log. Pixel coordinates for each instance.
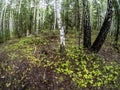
(30, 23)
(78, 26)
(66, 22)
(117, 30)
(104, 29)
(87, 26)
(18, 28)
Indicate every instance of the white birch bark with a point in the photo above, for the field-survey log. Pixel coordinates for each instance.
(43, 13)
(11, 24)
(34, 15)
(60, 26)
(19, 11)
(37, 18)
(55, 15)
(37, 22)
(20, 2)
(2, 16)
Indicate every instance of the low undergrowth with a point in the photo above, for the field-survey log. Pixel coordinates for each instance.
(89, 71)
(24, 65)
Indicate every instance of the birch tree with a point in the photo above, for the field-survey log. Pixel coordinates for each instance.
(4, 6)
(60, 26)
(19, 11)
(55, 17)
(11, 24)
(36, 16)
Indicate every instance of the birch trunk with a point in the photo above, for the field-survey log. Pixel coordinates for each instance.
(18, 28)
(55, 17)
(4, 23)
(37, 18)
(37, 22)
(11, 24)
(60, 26)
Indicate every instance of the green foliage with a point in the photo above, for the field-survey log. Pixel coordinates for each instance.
(88, 70)
(24, 64)
(25, 48)
(20, 61)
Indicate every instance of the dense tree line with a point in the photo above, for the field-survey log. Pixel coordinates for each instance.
(20, 18)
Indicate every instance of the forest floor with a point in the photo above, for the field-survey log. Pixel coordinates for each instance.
(30, 63)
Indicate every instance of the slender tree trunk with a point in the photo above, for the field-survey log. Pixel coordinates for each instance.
(104, 29)
(11, 24)
(87, 25)
(35, 18)
(55, 17)
(1, 24)
(117, 30)
(98, 16)
(79, 21)
(66, 16)
(30, 23)
(60, 26)
(4, 26)
(19, 12)
(66, 22)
